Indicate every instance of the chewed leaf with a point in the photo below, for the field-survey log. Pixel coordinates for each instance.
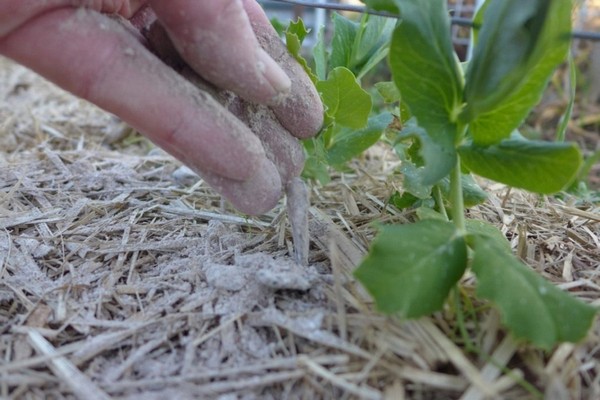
(294, 36)
(413, 182)
(532, 308)
(412, 173)
(438, 159)
(347, 103)
(410, 269)
(299, 29)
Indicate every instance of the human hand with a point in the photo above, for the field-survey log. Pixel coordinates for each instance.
(79, 45)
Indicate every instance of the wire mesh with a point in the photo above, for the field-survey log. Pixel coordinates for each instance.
(586, 18)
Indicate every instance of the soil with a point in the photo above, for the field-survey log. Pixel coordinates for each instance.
(127, 274)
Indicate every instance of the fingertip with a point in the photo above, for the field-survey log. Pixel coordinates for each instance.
(301, 113)
(255, 196)
(280, 146)
(216, 39)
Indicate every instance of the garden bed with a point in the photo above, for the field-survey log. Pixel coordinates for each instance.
(122, 275)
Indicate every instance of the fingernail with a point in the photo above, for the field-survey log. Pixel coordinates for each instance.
(273, 73)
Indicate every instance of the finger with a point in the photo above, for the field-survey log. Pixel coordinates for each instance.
(301, 112)
(284, 150)
(127, 8)
(216, 39)
(255, 196)
(281, 147)
(94, 57)
(15, 13)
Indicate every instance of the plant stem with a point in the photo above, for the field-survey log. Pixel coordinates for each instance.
(460, 319)
(456, 198)
(439, 199)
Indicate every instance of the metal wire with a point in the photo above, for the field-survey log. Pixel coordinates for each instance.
(336, 7)
(584, 35)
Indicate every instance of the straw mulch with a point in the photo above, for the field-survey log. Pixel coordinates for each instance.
(123, 276)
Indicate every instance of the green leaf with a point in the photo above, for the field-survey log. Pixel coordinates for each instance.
(403, 200)
(342, 42)
(588, 164)
(412, 169)
(294, 36)
(479, 227)
(518, 47)
(371, 62)
(537, 166)
(561, 131)
(347, 103)
(298, 29)
(371, 45)
(388, 91)
(425, 68)
(510, 30)
(349, 143)
(427, 213)
(413, 180)
(315, 166)
(374, 33)
(478, 21)
(473, 194)
(410, 269)
(360, 46)
(532, 308)
(320, 56)
(438, 159)
(381, 5)
(280, 27)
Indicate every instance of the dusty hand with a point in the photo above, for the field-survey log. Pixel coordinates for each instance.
(76, 44)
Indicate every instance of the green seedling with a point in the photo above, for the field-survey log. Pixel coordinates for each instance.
(457, 121)
(351, 127)
(465, 123)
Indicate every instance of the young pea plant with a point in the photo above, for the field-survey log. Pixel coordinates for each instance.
(457, 121)
(463, 123)
(350, 125)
